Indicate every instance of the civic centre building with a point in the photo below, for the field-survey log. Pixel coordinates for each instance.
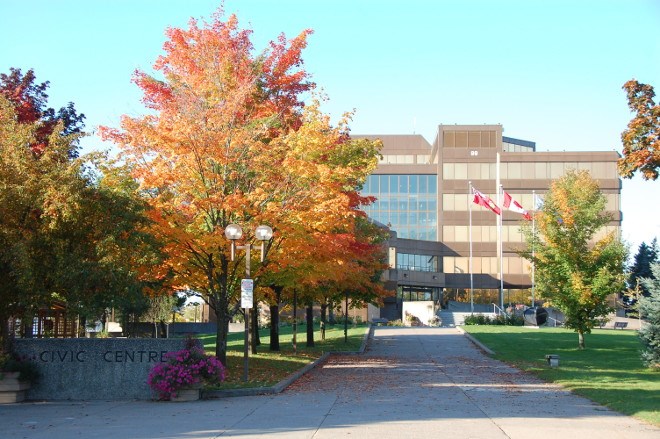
(423, 196)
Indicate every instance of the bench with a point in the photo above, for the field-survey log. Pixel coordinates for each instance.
(620, 325)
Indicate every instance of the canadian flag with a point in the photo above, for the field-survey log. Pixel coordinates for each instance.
(485, 201)
(515, 206)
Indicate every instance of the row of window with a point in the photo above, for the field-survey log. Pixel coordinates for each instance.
(486, 265)
(400, 184)
(511, 297)
(405, 204)
(405, 261)
(526, 171)
(510, 234)
(513, 147)
(404, 159)
(462, 202)
(416, 294)
(481, 234)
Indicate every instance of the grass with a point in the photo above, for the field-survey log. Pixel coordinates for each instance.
(267, 368)
(609, 371)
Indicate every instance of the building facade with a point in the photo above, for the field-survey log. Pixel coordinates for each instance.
(423, 195)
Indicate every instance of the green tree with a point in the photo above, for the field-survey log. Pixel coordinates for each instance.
(649, 308)
(575, 270)
(645, 257)
(65, 234)
(641, 140)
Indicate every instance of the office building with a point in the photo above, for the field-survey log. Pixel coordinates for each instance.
(423, 195)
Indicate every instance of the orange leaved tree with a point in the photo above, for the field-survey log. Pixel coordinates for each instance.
(204, 153)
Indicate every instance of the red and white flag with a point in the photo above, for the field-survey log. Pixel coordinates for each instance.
(515, 206)
(485, 201)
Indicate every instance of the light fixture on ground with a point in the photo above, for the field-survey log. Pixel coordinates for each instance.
(234, 232)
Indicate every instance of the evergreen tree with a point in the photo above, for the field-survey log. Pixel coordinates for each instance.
(649, 308)
(646, 256)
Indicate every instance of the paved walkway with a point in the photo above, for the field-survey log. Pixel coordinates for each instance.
(410, 383)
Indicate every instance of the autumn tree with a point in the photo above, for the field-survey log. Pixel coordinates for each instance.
(641, 140)
(203, 154)
(575, 269)
(324, 236)
(30, 103)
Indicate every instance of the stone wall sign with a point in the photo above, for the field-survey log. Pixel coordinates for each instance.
(94, 368)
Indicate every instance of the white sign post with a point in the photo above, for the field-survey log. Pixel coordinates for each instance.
(247, 296)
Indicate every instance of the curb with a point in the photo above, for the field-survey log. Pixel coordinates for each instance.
(477, 343)
(286, 382)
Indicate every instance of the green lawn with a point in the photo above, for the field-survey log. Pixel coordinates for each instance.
(267, 368)
(609, 371)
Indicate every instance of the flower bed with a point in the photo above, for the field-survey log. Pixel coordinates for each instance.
(184, 369)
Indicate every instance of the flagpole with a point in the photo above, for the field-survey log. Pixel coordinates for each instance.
(533, 249)
(470, 191)
(500, 245)
(498, 187)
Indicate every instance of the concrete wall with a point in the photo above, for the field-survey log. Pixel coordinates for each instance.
(94, 369)
(423, 310)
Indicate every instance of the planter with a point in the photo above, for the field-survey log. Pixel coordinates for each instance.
(190, 393)
(11, 389)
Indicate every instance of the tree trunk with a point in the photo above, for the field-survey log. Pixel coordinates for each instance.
(5, 340)
(295, 321)
(331, 313)
(580, 339)
(221, 336)
(274, 327)
(310, 326)
(275, 320)
(324, 309)
(254, 330)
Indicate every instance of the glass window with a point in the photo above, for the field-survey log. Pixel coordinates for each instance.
(406, 203)
(540, 171)
(413, 181)
(394, 183)
(433, 184)
(556, 170)
(423, 184)
(448, 171)
(384, 182)
(474, 171)
(515, 171)
(403, 184)
(460, 171)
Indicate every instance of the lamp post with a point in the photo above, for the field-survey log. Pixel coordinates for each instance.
(234, 232)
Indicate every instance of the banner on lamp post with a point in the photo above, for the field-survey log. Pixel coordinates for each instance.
(247, 296)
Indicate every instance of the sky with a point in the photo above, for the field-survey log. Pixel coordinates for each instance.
(548, 71)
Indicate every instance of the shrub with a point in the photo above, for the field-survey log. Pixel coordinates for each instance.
(501, 319)
(187, 367)
(28, 371)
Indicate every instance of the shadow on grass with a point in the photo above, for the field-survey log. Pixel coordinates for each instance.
(267, 368)
(609, 371)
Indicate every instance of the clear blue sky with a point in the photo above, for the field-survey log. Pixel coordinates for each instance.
(548, 71)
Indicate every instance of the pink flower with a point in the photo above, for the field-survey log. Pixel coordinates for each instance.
(184, 368)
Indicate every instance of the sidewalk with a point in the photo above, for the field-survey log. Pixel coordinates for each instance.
(410, 383)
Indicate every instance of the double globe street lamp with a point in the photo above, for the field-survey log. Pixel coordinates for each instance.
(234, 232)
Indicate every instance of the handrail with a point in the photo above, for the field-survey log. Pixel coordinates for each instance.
(496, 308)
(555, 321)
